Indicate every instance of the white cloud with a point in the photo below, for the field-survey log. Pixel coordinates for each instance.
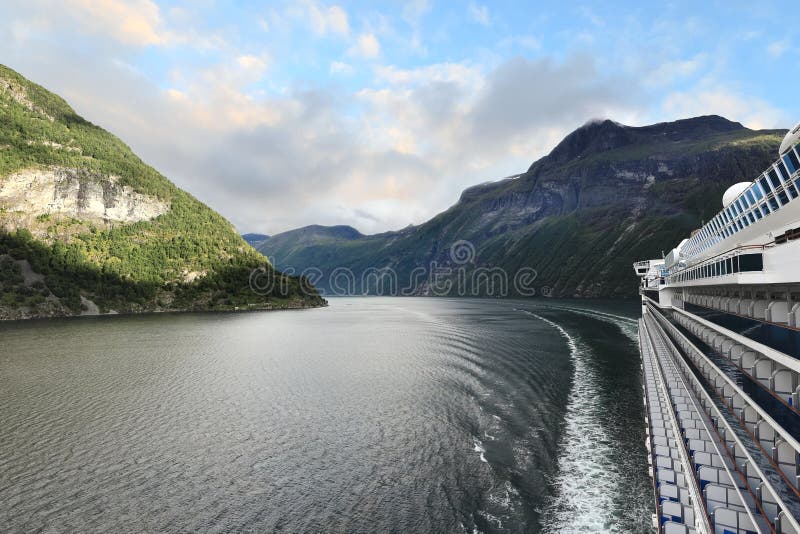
(253, 65)
(778, 48)
(135, 22)
(367, 46)
(669, 72)
(331, 19)
(525, 41)
(479, 13)
(339, 67)
(461, 73)
(752, 112)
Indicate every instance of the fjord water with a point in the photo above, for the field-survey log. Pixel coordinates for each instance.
(375, 414)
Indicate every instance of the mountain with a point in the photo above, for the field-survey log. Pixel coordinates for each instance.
(87, 227)
(254, 240)
(605, 196)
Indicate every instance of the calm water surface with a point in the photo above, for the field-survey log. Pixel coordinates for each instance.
(375, 414)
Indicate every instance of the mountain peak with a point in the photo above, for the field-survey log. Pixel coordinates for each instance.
(600, 135)
(597, 135)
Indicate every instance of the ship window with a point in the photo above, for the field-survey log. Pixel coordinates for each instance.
(764, 185)
(765, 209)
(792, 191)
(784, 172)
(782, 197)
(751, 262)
(759, 194)
(735, 264)
(745, 221)
(773, 204)
(729, 265)
(750, 197)
(745, 203)
(773, 177)
(791, 161)
(757, 213)
(751, 217)
(739, 224)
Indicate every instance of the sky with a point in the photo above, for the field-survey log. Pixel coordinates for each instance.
(378, 114)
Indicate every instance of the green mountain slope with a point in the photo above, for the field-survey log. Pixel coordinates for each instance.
(85, 225)
(606, 196)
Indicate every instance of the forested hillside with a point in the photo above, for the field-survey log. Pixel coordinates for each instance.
(87, 226)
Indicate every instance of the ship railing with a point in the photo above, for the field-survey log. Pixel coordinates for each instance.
(661, 385)
(753, 419)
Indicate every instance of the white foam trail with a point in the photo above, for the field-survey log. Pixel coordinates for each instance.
(479, 448)
(586, 481)
(628, 325)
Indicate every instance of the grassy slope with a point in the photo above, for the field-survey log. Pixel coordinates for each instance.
(130, 267)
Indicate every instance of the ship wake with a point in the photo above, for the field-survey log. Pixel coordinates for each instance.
(586, 481)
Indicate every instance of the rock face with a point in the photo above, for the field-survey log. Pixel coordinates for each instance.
(606, 196)
(77, 193)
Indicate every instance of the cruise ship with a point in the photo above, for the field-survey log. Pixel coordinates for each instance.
(720, 345)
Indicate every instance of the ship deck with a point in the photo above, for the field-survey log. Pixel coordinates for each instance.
(709, 473)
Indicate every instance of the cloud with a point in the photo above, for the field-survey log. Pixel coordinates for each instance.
(669, 72)
(127, 23)
(136, 22)
(367, 46)
(479, 13)
(752, 112)
(778, 48)
(252, 64)
(339, 67)
(323, 20)
(439, 72)
(528, 42)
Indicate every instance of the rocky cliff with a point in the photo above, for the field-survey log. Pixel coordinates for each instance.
(34, 198)
(605, 196)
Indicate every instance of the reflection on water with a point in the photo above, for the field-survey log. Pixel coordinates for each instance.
(376, 414)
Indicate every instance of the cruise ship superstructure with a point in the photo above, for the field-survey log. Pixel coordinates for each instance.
(720, 345)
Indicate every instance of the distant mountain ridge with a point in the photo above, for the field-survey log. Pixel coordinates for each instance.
(605, 196)
(254, 240)
(88, 227)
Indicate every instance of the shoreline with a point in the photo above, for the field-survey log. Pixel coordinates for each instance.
(237, 309)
